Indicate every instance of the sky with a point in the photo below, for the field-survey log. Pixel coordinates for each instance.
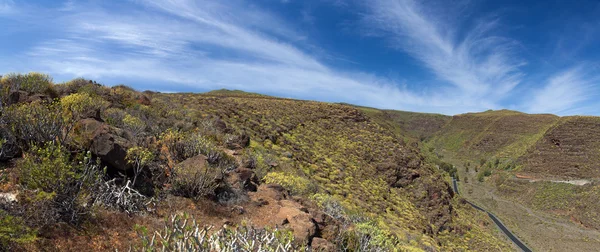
(446, 57)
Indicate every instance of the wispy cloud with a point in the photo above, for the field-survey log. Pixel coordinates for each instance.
(480, 65)
(200, 46)
(564, 92)
(211, 44)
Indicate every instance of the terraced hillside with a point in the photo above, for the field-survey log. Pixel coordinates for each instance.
(515, 163)
(570, 149)
(417, 125)
(493, 134)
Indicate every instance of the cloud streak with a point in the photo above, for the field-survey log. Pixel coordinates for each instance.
(480, 66)
(202, 45)
(563, 92)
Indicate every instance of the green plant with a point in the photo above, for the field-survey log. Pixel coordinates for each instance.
(47, 168)
(36, 123)
(64, 184)
(82, 105)
(14, 232)
(114, 116)
(195, 181)
(138, 157)
(133, 124)
(32, 82)
(293, 183)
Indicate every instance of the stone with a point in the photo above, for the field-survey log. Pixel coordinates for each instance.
(301, 223)
(322, 245)
(112, 150)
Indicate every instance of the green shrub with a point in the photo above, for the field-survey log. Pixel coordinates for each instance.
(483, 173)
(14, 232)
(294, 184)
(195, 182)
(114, 116)
(71, 86)
(31, 83)
(138, 157)
(81, 105)
(66, 185)
(36, 123)
(133, 124)
(47, 168)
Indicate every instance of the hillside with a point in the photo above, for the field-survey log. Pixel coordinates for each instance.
(570, 149)
(514, 163)
(416, 125)
(112, 165)
(493, 134)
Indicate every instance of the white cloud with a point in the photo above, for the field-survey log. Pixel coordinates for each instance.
(198, 45)
(563, 92)
(209, 45)
(480, 65)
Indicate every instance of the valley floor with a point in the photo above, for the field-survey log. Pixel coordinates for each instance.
(539, 230)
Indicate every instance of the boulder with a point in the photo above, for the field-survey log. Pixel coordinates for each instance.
(300, 222)
(37, 97)
(9, 148)
(191, 165)
(144, 100)
(17, 97)
(322, 245)
(244, 178)
(273, 191)
(112, 150)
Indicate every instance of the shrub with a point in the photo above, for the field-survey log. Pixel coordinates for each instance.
(139, 157)
(36, 123)
(133, 124)
(260, 161)
(330, 206)
(71, 86)
(64, 184)
(14, 232)
(183, 234)
(195, 182)
(31, 83)
(483, 173)
(81, 105)
(114, 116)
(8, 145)
(292, 183)
(195, 144)
(367, 236)
(47, 168)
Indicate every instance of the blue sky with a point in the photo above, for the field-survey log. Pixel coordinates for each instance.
(430, 56)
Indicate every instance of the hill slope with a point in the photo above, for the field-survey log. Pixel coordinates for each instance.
(113, 165)
(349, 156)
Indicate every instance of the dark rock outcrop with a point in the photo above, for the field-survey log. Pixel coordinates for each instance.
(112, 150)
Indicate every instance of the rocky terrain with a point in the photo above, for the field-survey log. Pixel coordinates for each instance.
(87, 167)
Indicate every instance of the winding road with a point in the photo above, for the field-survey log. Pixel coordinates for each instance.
(497, 221)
